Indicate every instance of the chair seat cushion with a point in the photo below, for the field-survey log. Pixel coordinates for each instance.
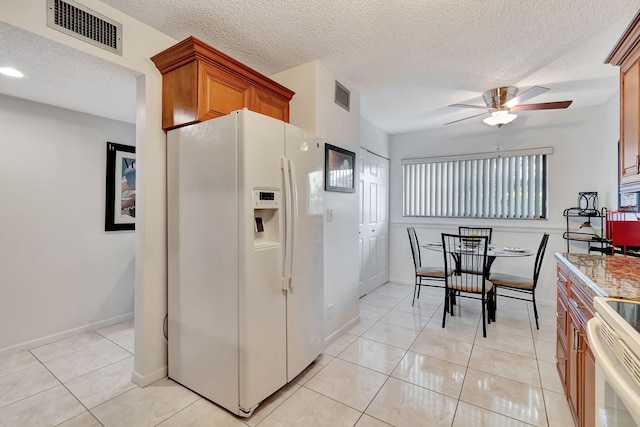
(460, 283)
(501, 279)
(430, 272)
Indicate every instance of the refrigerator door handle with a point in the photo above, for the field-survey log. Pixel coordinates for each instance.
(286, 268)
(294, 222)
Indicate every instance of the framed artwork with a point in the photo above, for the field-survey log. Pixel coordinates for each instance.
(120, 211)
(339, 169)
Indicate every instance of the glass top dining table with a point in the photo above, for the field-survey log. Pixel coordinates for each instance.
(493, 252)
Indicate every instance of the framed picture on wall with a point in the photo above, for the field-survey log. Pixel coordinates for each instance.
(339, 169)
(120, 211)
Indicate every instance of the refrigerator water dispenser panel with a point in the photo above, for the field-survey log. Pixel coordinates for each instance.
(266, 218)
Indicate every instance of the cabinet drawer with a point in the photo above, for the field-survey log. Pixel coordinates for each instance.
(562, 280)
(581, 304)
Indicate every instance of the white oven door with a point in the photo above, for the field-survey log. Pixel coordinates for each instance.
(617, 393)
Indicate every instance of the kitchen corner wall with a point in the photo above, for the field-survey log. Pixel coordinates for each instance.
(313, 108)
(61, 272)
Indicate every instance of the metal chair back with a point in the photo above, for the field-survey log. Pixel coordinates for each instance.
(539, 256)
(477, 231)
(415, 247)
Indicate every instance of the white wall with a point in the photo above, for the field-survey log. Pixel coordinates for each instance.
(140, 43)
(583, 159)
(302, 108)
(60, 269)
(374, 139)
(313, 108)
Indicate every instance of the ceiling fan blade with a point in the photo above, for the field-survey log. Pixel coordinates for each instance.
(542, 106)
(525, 96)
(481, 107)
(466, 118)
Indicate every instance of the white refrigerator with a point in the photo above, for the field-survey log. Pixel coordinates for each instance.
(245, 237)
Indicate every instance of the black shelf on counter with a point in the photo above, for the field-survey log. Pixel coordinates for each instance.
(596, 242)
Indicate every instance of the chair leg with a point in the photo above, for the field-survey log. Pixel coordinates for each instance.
(484, 320)
(535, 309)
(446, 306)
(495, 302)
(414, 292)
(452, 301)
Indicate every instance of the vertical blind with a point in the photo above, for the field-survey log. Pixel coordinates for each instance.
(498, 187)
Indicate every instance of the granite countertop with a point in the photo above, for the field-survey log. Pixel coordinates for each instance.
(599, 275)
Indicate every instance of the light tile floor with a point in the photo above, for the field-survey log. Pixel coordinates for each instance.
(398, 367)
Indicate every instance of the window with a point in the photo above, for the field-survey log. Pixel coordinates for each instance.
(512, 185)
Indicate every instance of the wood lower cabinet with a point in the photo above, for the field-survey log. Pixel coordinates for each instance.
(576, 365)
(626, 55)
(201, 83)
(589, 397)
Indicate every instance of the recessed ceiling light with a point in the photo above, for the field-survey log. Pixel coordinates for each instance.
(11, 72)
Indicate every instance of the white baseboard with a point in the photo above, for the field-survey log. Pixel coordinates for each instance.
(350, 324)
(145, 380)
(39, 342)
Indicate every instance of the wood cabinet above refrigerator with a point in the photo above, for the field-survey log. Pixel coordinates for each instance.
(626, 55)
(201, 83)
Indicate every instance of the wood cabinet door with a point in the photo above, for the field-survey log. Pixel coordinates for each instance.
(269, 105)
(573, 374)
(630, 126)
(589, 386)
(561, 340)
(219, 93)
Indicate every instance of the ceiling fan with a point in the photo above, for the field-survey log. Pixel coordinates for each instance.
(503, 101)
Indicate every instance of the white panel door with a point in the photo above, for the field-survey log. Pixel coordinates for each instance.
(374, 221)
(363, 249)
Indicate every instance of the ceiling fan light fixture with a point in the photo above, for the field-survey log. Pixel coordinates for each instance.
(500, 117)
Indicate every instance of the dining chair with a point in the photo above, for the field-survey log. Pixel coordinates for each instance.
(422, 273)
(473, 232)
(458, 251)
(521, 284)
(477, 231)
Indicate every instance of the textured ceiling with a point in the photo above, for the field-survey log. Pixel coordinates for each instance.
(409, 59)
(61, 76)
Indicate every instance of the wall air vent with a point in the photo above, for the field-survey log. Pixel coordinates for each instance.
(83, 23)
(342, 96)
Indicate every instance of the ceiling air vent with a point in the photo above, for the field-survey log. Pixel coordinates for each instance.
(342, 96)
(83, 23)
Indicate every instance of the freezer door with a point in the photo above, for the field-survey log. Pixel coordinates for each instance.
(203, 258)
(262, 313)
(305, 297)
